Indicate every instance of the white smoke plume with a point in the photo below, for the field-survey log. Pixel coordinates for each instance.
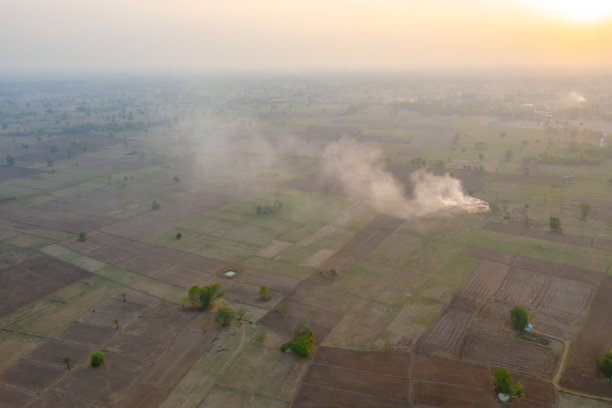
(359, 168)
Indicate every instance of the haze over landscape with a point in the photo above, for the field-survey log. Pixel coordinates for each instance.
(306, 204)
(242, 35)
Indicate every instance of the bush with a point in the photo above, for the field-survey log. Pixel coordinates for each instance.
(585, 209)
(303, 340)
(225, 316)
(179, 235)
(503, 382)
(555, 224)
(155, 205)
(604, 365)
(264, 293)
(97, 359)
(83, 236)
(519, 318)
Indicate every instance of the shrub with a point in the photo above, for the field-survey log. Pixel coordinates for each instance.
(97, 359)
(264, 293)
(82, 235)
(225, 316)
(503, 382)
(585, 209)
(555, 224)
(604, 365)
(303, 340)
(179, 235)
(155, 205)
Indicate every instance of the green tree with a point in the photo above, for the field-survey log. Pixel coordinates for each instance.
(225, 316)
(123, 296)
(155, 205)
(519, 318)
(555, 224)
(179, 235)
(116, 323)
(240, 313)
(303, 340)
(97, 359)
(604, 365)
(585, 209)
(508, 155)
(66, 361)
(504, 384)
(193, 296)
(208, 295)
(264, 293)
(10, 160)
(83, 236)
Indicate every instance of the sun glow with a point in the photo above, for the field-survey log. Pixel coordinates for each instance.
(579, 11)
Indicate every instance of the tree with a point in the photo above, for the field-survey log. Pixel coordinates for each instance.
(97, 359)
(585, 209)
(193, 296)
(555, 224)
(155, 205)
(176, 179)
(179, 235)
(504, 384)
(208, 295)
(123, 296)
(10, 160)
(303, 340)
(604, 365)
(519, 318)
(225, 316)
(66, 361)
(508, 155)
(241, 312)
(264, 293)
(116, 323)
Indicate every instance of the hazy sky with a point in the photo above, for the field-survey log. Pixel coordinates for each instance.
(130, 35)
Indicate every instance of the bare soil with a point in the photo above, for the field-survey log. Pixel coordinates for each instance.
(49, 274)
(592, 242)
(593, 341)
(71, 223)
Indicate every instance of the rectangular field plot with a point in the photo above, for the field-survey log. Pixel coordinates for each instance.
(433, 394)
(273, 249)
(395, 364)
(315, 396)
(363, 326)
(221, 397)
(412, 321)
(385, 386)
(485, 280)
(32, 376)
(593, 341)
(16, 282)
(446, 334)
(495, 346)
(567, 296)
(521, 286)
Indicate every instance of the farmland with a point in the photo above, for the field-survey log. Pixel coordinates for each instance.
(319, 196)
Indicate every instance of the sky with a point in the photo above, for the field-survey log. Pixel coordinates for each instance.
(302, 35)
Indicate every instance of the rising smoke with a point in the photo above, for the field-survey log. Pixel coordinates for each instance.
(358, 167)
